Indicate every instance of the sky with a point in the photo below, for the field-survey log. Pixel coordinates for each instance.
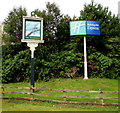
(70, 7)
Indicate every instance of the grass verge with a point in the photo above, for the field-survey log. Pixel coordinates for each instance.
(69, 84)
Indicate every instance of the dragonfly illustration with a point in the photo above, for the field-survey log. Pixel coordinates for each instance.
(33, 30)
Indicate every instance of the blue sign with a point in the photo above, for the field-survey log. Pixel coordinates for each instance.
(93, 28)
(84, 28)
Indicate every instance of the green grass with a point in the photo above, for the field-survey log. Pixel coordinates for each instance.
(70, 84)
(21, 105)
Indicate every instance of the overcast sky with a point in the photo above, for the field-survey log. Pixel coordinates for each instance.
(70, 7)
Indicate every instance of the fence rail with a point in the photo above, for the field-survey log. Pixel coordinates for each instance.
(49, 89)
(65, 96)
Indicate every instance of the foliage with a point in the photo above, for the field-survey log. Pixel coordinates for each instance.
(109, 24)
(105, 66)
(56, 27)
(103, 50)
(17, 67)
(60, 52)
(52, 17)
(6, 38)
(9, 50)
(15, 63)
(58, 63)
(13, 25)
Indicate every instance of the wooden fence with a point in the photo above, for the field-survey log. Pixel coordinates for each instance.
(65, 96)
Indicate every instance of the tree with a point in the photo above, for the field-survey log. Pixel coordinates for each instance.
(56, 26)
(103, 50)
(52, 17)
(60, 52)
(110, 27)
(13, 25)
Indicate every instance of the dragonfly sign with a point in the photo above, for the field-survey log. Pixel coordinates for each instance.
(32, 29)
(32, 35)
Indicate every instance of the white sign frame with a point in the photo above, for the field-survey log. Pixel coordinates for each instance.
(40, 40)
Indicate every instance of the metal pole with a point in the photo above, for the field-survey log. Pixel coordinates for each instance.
(32, 46)
(32, 70)
(85, 59)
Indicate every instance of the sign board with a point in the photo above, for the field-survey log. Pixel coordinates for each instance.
(32, 29)
(78, 28)
(84, 28)
(93, 27)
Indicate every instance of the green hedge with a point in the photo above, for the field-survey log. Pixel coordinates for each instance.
(16, 63)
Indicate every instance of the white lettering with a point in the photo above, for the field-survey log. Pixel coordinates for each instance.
(93, 24)
(93, 28)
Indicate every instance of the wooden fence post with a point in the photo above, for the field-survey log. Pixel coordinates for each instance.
(101, 97)
(3, 91)
(65, 95)
(31, 93)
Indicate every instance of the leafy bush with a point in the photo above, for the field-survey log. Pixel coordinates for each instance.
(16, 68)
(57, 64)
(16, 63)
(9, 51)
(105, 66)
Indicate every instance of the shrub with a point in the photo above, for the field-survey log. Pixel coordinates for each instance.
(106, 67)
(16, 68)
(57, 64)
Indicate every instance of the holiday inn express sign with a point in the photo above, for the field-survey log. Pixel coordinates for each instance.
(84, 28)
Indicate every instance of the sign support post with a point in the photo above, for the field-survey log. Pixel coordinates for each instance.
(32, 46)
(85, 28)
(85, 60)
(32, 35)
